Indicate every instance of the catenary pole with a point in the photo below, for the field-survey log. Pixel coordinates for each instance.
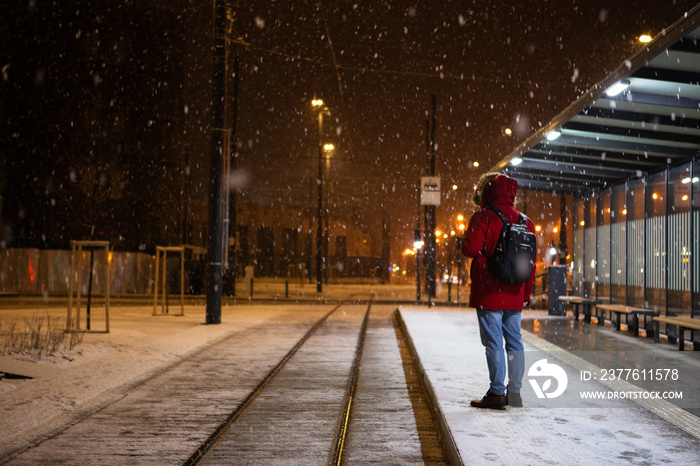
(319, 228)
(214, 252)
(430, 227)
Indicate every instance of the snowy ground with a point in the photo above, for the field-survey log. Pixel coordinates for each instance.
(138, 345)
(448, 346)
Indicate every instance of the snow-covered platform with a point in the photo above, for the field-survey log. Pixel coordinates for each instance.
(570, 430)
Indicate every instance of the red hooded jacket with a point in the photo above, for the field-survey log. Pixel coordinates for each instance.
(480, 242)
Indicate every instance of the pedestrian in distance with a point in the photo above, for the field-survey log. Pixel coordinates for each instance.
(499, 295)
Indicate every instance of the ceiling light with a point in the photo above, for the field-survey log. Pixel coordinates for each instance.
(617, 88)
(644, 38)
(552, 135)
(516, 161)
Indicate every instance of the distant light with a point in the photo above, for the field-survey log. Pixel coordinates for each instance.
(555, 230)
(516, 161)
(583, 223)
(508, 131)
(461, 226)
(316, 102)
(654, 196)
(418, 244)
(445, 236)
(624, 211)
(452, 233)
(593, 264)
(460, 217)
(685, 198)
(617, 88)
(538, 228)
(438, 232)
(328, 147)
(645, 38)
(454, 187)
(688, 180)
(476, 164)
(552, 251)
(552, 135)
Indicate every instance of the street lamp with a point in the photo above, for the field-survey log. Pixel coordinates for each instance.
(318, 106)
(328, 149)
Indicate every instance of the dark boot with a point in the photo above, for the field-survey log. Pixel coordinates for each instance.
(490, 401)
(514, 400)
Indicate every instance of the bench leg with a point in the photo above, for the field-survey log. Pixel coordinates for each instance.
(617, 323)
(574, 309)
(601, 318)
(656, 331)
(635, 322)
(681, 341)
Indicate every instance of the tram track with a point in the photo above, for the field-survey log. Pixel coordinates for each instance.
(337, 449)
(276, 392)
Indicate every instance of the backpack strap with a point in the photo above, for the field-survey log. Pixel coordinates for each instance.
(522, 219)
(500, 214)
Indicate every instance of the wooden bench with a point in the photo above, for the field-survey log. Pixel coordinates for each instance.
(683, 324)
(635, 312)
(577, 301)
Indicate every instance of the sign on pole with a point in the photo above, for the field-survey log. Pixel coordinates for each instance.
(430, 190)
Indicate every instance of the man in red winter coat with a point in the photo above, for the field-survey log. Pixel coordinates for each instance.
(498, 304)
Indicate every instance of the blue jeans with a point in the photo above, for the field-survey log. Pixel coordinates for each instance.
(494, 326)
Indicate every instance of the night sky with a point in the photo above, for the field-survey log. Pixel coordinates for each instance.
(492, 65)
(129, 81)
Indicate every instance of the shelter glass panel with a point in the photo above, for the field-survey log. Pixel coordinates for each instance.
(589, 238)
(679, 240)
(655, 271)
(603, 245)
(618, 244)
(695, 181)
(635, 243)
(579, 247)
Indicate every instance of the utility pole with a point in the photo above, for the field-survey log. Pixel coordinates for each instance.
(232, 243)
(430, 260)
(218, 138)
(319, 227)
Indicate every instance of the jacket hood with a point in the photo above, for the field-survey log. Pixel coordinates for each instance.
(499, 190)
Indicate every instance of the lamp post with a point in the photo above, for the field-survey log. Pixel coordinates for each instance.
(328, 150)
(317, 104)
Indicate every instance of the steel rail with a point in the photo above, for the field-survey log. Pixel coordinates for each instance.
(342, 431)
(214, 438)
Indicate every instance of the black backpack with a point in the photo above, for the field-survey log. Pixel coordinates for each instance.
(514, 257)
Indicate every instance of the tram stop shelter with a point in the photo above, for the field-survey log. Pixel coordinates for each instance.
(628, 152)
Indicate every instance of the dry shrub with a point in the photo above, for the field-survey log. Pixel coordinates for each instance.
(41, 335)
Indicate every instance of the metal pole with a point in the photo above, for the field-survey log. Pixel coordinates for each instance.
(319, 229)
(233, 227)
(214, 253)
(89, 296)
(431, 249)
